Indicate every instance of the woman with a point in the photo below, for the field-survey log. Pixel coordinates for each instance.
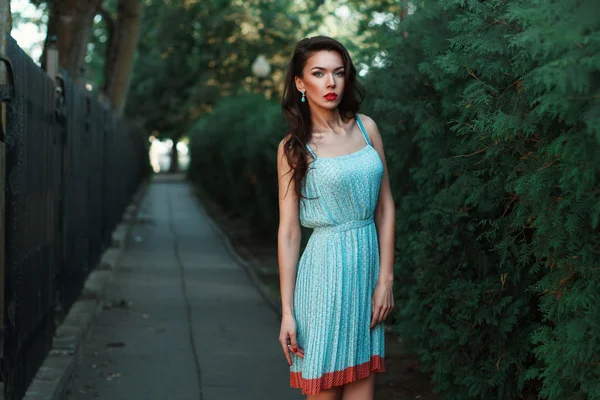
(332, 178)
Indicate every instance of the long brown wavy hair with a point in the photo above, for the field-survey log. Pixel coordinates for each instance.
(297, 113)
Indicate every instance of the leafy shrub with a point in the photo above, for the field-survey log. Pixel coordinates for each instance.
(233, 153)
(490, 115)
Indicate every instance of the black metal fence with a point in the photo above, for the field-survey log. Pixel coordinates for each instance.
(72, 167)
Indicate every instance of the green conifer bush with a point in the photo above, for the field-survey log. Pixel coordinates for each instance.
(493, 140)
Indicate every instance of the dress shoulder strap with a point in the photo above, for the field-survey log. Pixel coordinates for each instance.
(362, 129)
(312, 153)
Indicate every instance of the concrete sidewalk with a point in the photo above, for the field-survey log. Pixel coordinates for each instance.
(183, 320)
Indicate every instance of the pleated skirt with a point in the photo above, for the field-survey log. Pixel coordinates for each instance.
(336, 277)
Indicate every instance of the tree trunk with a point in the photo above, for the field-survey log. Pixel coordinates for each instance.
(71, 22)
(403, 9)
(5, 10)
(174, 167)
(122, 42)
(404, 14)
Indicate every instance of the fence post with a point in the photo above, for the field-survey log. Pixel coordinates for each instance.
(5, 27)
(52, 58)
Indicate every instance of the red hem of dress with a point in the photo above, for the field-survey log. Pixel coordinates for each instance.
(337, 378)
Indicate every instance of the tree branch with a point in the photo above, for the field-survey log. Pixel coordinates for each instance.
(472, 154)
(111, 28)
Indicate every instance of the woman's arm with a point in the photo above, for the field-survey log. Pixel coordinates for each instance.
(385, 220)
(288, 249)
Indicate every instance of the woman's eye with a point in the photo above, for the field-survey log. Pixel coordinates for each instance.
(319, 74)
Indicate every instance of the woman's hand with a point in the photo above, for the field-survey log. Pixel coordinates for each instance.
(287, 336)
(383, 302)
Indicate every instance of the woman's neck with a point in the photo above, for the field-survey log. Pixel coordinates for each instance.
(324, 121)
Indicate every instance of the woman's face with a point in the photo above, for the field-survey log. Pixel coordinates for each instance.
(323, 79)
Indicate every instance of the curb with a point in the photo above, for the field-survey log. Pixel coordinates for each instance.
(246, 266)
(52, 378)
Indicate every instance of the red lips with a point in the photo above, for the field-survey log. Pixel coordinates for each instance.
(330, 96)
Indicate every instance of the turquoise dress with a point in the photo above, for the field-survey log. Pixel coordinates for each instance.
(338, 271)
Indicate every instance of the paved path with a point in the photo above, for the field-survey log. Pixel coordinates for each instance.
(184, 321)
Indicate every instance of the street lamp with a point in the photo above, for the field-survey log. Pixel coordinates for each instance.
(261, 69)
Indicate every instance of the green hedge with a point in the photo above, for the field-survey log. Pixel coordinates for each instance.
(490, 114)
(233, 156)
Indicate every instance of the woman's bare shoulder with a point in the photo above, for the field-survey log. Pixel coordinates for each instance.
(366, 120)
(370, 126)
(283, 151)
(284, 141)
